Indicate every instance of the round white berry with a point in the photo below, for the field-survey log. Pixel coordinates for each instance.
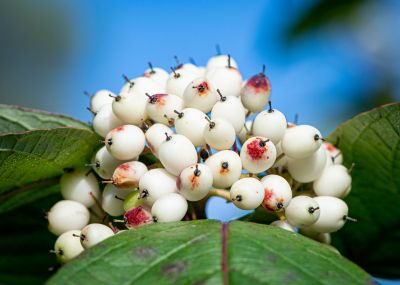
(247, 193)
(105, 121)
(277, 192)
(220, 61)
(125, 142)
(226, 168)
(270, 124)
(155, 136)
(80, 186)
(231, 109)
(113, 200)
(158, 75)
(307, 169)
(171, 207)
(155, 183)
(219, 134)
(176, 153)
(283, 225)
(189, 67)
(160, 108)
(92, 234)
(334, 181)
(127, 175)
(68, 246)
(256, 92)
(101, 98)
(191, 122)
(104, 163)
(301, 141)
(195, 182)
(141, 85)
(130, 108)
(67, 215)
(199, 94)
(257, 154)
(178, 81)
(333, 214)
(227, 79)
(302, 211)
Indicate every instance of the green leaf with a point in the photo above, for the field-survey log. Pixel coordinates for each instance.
(208, 252)
(35, 149)
(15, 119)
(371, 140)
(25, 243)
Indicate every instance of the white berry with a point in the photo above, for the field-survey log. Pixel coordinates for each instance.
(231, 109)
(178, 81)
(257, 154)
(80, 186)
(256, 92)
(301, 141)
(158, 75)
(171, 207)
(141, 85)
(334, 181)
(333, 214)
(200, 94)
(156, 183)
(92, 234)
(125, 142)
(307, 169)
(302, 211)
(67, 215)
(160, 108)
(219, 134)
(104, 164)
(68, 246)
(105, 121)
(113, 200)
(99, 99)
(128, 174)
(191, 122)
(195, 182)
(226, 168)
(220, 61)
(130, 108)
(278, 193)
(176, 153)
(247, 193)
(227, 79)
(270, 124)
(155, 136)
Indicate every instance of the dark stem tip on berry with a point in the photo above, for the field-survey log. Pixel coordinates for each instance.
(279, 205)
(318, 137)
(86, 93)
(109, 141)
(127, 80)
(263, 70)
(270, 109)
(296, 119)
(225, 165)
(119, 198)
(311, 210)
(176, 74)
(168, 137)
(152, 71)
(192, 61)
(223, 98)
(143, 194)
(152, 98)
(197, 172)
(204, 154)
(180, 114)
(155, 219)
(238, 198)
(116, 98)
(211, 123)
(229, 61)
(90, 110)
(263, 143)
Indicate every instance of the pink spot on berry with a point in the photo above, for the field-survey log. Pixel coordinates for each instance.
(159, 99)
(202, 88)
(259, 84)
(255, 150)
(329, 147)
(194, 181)
(124, 167)
(146, 74)
(136, 217)
(119, 129)
(267, 199)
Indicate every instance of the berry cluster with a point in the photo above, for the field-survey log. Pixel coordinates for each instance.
(196, 123)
